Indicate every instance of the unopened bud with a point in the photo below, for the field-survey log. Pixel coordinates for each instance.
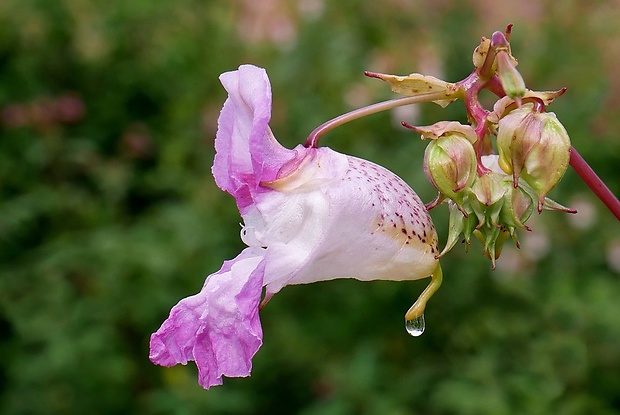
(450, 165)
(534, 146)
(517, 208)
(493, 239)
(488, 191)
(459, 224)
(509, 76)
(489, 188)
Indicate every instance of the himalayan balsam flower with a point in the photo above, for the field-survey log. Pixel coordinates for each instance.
(310, 214)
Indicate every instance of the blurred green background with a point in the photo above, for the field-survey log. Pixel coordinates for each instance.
(109, 214)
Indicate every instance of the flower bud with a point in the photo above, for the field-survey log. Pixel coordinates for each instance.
(509, 76)
(459, 224)
(450, 165)
(489, 188)
(518, 206)
(487, 197)
(534, 146)
(493, 239)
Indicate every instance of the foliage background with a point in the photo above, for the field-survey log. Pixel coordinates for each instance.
(109, 215)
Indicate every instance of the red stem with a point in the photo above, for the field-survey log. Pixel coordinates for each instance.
(594, 182)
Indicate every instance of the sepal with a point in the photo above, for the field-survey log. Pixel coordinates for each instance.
(416, 84)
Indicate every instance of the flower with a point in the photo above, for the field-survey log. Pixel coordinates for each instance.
(310, 214)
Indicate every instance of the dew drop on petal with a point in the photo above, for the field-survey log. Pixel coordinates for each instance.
(416, 326)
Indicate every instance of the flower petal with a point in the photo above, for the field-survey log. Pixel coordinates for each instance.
(218, 328)
(246, 151)
(341, 217)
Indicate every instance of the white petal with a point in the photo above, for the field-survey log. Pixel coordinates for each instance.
(342, 217)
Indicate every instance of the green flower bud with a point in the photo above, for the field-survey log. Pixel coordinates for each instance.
(459, 224)
(487, 197)
(509, 76)
(490, 188)
(493, 239)
(534, 146)
(517, 209)
(450, 165)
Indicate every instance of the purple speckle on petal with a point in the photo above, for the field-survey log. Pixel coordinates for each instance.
(388, 193)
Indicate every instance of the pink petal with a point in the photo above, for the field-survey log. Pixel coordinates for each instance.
(246, 151)
(218, 328)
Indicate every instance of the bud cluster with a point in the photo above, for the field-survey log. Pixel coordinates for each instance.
(492, 202)
(495, 171)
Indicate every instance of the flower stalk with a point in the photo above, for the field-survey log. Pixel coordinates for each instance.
(313, 139)
(594, 182)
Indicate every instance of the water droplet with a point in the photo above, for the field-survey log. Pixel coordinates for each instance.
(416, 326)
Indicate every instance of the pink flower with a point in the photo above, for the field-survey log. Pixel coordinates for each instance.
(310, 214)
